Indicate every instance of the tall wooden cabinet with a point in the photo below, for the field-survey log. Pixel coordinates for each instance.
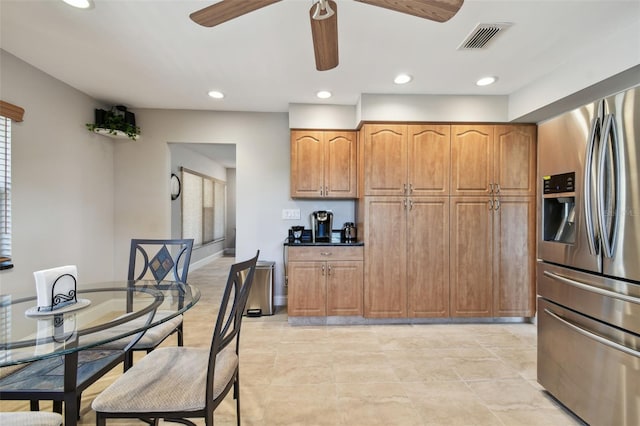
(323, 164)
(449, 220)
(493, 220)
(406, 214)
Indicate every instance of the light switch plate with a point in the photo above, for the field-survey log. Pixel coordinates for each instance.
(291, 214)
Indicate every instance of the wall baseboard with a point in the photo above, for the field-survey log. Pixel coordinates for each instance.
(200, 263)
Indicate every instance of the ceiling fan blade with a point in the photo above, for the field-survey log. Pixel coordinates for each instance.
(226, 10)
(434, 10)
(325, 37)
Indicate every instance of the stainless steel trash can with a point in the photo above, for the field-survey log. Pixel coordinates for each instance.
(260, 300)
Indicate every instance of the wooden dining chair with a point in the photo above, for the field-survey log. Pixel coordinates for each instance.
(177, 383)
(156, 260)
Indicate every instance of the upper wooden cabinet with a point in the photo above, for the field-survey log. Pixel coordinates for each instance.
(493, 160)
(323, 164)
(406, 159)
(515, 159)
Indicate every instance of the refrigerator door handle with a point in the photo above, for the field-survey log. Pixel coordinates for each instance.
(594, 336)
(588, 195)
(608, 140)
(592, 289)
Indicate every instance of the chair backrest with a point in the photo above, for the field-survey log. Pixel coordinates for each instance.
(157, 258)
(234, 300)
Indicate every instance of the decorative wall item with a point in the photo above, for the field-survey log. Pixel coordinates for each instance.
(116, 122)
(176, 187)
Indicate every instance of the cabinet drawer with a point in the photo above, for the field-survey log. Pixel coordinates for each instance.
(327, 253)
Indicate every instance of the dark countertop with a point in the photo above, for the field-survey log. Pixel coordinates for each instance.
(306, 240)
(311, 244)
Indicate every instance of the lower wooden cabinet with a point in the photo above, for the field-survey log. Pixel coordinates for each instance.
(492, 257)
(407, 257)
(325, 281)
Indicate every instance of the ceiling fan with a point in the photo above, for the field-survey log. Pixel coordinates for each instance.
(324, 19)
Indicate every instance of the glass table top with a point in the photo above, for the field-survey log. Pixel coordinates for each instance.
(104, 312)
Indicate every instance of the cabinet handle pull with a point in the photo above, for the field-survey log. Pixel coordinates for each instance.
(405, 188)
(496, 204)
(326, 191)
(321, 192)
(490, 204)
(405, 204)
(410, 188)
(410, 205)
(329, 270)
(497, 188)
(325, 253)
(323, 270)
(490, 188)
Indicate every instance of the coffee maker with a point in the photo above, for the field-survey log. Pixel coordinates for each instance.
(321, 226)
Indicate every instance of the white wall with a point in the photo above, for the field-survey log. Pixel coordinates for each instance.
(142, 200)
(591, 65)
(63, 181)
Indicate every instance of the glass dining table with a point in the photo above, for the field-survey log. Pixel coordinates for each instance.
(103, 313)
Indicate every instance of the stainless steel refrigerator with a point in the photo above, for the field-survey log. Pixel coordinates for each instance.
(588, 273)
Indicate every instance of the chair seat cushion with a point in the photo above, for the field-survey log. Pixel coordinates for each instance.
(151, 338)
(30, 418)
(167, 380)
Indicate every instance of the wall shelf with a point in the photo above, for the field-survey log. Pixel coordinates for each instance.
(118, 135)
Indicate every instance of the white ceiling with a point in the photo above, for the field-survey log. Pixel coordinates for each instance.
(149, 54)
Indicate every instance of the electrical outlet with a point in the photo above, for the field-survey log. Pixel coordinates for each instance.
(291, 214)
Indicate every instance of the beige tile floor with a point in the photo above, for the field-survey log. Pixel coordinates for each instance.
(428, 374)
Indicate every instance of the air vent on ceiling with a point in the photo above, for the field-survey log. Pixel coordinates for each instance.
(482, 34)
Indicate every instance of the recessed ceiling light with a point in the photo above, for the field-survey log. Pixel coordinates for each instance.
(402, 79)
(485, 81)
(216, 95)
(81, 4)
(323, 94)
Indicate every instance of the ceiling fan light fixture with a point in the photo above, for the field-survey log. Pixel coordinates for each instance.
(402, 79)
(323, 94)
(486, 81)
(80, 4)
(215, 94)
(323, 10)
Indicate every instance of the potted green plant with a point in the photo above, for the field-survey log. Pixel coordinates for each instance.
(116, 121)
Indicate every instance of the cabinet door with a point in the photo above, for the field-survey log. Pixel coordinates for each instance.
(340, 164)
(385, 158)
(471, 257)
(385, 288)
(515, 159)
(429, 148)
(471, 159)
(428, 257)
(307, 289)
(307, 164)
(514, 257)
(344, 288)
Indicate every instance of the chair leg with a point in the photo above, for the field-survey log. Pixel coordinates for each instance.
(100, 420)
(180, 335)
(57, 407)
(34, 405)
(128, 360)
(236, 394)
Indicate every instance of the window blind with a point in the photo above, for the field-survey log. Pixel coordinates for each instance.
(5, 187)
(203, 207)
